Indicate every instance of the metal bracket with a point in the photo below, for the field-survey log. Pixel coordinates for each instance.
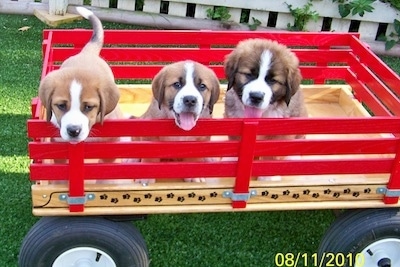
(239, 196)
(388, 192)
(76, 200)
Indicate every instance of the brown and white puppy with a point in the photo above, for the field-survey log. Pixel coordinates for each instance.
(82, 92)
(263, 81)
(183, 91)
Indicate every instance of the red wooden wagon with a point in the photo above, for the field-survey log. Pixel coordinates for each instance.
(349, 160)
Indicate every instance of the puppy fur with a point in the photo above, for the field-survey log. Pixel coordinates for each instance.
(82, 92)
(263, 81)
(184, 91)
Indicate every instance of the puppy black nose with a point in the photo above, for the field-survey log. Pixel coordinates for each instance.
(256, 97)
(190, 101)
(74, 130)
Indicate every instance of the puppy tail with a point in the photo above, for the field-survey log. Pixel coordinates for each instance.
(97, 39)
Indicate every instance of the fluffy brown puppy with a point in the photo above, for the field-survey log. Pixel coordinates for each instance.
(184, 91)
(263, 81)
(82, 92)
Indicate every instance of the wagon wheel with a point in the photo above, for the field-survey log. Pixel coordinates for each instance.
(363, 238)
(83, 241)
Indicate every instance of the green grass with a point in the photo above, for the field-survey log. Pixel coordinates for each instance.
(214, 239)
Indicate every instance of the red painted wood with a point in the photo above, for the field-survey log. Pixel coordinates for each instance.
(323, 57)
(76, 175)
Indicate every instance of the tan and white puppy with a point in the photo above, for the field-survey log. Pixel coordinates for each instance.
(183, 91)
(83, 91)
(263, 81)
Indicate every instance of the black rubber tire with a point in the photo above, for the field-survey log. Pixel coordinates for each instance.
(355, 230)
(52, 236)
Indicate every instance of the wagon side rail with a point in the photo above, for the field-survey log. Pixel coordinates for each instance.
(374, 153)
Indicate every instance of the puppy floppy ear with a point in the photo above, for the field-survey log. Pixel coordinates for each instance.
(230, 67)
(293, 82)
(215, 91)
(158, 88)
(109, 97)
(46, 90)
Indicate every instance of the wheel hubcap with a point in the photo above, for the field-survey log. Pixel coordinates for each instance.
(84, 257)
(382, 253)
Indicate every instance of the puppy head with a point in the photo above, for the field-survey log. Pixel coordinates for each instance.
(262, 73)
(75, 100)
(186, 90)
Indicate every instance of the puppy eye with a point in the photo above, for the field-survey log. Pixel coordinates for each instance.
(248, 75)
(88, 108)
(270, 79)
(177, 85)
(202, 87)
(62, 107)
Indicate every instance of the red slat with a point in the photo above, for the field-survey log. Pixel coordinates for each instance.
(45, 150)
(231, 127)
(182, 37)
(166, 170)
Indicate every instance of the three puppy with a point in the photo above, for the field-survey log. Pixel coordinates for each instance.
(263, 81)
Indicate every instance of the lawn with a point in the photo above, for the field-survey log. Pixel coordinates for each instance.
(220, 239)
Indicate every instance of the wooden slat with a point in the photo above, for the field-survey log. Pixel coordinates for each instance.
(179, 149)
(49, 197)
(184, 37)
(231, 127)
(169, 170)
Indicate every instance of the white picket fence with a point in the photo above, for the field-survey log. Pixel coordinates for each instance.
(271, 14)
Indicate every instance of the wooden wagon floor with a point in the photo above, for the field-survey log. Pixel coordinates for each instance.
(321, 101)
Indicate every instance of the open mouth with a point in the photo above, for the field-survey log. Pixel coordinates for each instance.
(252, 112)
(185, 120)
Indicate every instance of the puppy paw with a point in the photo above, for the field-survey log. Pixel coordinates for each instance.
(269, 178)
(145, 182)
(195, 180)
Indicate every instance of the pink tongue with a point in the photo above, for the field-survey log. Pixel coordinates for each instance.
(251, 112)
(187, 121)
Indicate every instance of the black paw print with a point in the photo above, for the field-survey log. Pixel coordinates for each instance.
(202, 198)
(181, 199)
(103, 197)
(213, 194)
(114, 200)
(315, 195)
(137, 200)
(191, 195)
(274, 196)
(306, 192)
(296, 196)
(148, 196)
(158, 199)
(286, 192)
(327, 191)
(170, 195)
(126, 196)
(265, 193)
